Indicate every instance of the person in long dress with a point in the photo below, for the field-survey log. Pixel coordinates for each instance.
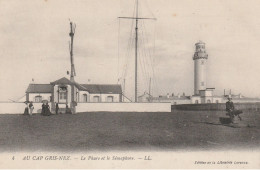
(57, 108)
(68, 110)
(31, 107)
(43, 109)
(26, 110)
(47, 110)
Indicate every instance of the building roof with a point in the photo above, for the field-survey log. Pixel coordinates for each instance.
(103, 88)
(241, 98)
(145, 95)
(245, 99)
(91, 88)
(62, 80)
(172, 98)
(39, 88)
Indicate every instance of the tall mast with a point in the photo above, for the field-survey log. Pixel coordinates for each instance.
(72, 71)
(136, 45)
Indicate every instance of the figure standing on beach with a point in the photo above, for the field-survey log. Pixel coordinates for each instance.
(43, 109)
(47, 110)
(31, 107)
(68, 111)
(57, 108)
(26, 110)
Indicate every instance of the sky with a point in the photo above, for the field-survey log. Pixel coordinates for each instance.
(34, 44)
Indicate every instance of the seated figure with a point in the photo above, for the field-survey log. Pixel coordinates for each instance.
(231, 112)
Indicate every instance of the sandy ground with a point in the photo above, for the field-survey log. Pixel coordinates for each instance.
(179, 130)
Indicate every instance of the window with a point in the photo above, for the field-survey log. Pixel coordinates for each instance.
(208, 101)
(96, 99)
(202, 83)
(175, 103)
(85, 98)
(38, 99)
(216, 101)
(63, 95)
(110, 99)
(196, 101)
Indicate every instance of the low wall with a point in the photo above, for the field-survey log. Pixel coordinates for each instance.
(124, 107)
(216, 106)
(17, 108)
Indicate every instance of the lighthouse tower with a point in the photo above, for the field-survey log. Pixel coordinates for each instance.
(200, 67)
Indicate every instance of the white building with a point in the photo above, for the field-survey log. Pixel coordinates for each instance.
(173, 99)
(200, 67)
(59, 91)
(202, 94)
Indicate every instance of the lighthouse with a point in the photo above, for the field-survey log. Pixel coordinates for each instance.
(200, 67)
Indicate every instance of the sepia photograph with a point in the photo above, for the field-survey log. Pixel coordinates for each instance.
(130, 84)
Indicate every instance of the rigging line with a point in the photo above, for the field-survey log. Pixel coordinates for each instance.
(144, 81)
(146, 41)
(139, 82)
(154, 42)
(139, 8)
(155, 87)
(146, 76)
(129, 44)
(148, 57)
(118, 50)
(142, 67)
(118, 41)
(148, 68)
(127, 63)
(20, 98)
(126, 70)
(145, 55)
(152, 60)
(125, 56)
(100, 29)
(147, 6)
(143, 59)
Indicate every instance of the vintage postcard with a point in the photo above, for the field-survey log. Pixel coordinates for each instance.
(129, 84)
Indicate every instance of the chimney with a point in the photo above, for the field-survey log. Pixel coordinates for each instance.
(183, 94)
(172, 94)
(168, 95)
